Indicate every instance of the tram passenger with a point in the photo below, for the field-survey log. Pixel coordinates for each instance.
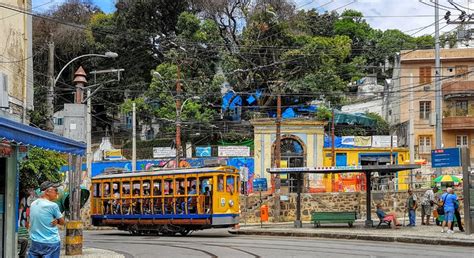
(157, 206)
(192, 199)
(106, 202)
(169, 204)
(207, 199)
(136, 202)
(116, 202)
(156, 191)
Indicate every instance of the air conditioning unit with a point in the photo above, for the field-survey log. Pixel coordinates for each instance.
(426, 87)
(433, 119)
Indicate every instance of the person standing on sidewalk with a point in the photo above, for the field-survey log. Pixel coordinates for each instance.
(457, 214)
(427, 205)
(449, 198)
(44, 217)
(411, 207)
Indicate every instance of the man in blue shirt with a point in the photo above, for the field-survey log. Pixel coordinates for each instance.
(449, 198)
(44, 218)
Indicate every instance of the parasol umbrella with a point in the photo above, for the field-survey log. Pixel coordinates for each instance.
(447, 178)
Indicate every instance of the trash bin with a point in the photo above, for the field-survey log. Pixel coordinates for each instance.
(264, 213)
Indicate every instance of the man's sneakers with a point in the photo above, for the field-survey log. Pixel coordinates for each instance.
(450, 232)
(442, 230)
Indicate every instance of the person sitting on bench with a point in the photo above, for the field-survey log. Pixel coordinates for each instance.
(387, 216)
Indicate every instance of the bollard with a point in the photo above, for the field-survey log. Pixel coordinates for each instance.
(74, 237)
(264, 213)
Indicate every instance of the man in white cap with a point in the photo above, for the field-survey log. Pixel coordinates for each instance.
(44, 218)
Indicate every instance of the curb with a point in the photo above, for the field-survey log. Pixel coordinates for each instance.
(401, 239)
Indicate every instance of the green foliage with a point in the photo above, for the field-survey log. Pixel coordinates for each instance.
(382, 127)
(41, 165)
(323, 113)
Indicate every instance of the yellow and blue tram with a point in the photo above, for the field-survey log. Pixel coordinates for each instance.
(167, 201)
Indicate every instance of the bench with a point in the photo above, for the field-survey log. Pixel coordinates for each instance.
(383, 222)
(333, 217)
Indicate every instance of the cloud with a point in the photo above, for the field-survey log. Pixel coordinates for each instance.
(409, 16)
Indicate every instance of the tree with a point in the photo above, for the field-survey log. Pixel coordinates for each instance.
(39, 166)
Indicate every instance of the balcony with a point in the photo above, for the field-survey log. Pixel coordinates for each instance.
(458, 122)
(458, 89)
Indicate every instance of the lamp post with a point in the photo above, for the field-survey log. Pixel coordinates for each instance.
(179, 110)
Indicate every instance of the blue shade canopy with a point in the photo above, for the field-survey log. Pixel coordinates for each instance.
(27, 135)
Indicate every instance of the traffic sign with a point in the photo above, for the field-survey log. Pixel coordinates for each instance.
(260, 184)
(444, 158)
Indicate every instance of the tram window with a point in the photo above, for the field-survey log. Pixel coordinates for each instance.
(97, 190)
(116, 189)
(192, 185)
(126, 189)
(220, 183)
(237, 184)
(180, 186)
(107, 189)
(205, 184)
(229, 184)
(169, 187)
(146, 188)
(136, 188)
(157, 188)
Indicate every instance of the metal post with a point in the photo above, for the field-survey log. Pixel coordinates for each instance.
(391, 148)
(89, 134)
(467, 190)
(333, 150)
(439, 118)
(298, 223)
(50, 95)
(178, 116)
(412, 130)
(134, 137)
(368, 204)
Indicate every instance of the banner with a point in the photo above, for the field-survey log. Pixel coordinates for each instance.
(383, 141)
(347, 140)
(362, 141)
(203, 151)
(164, 152)
(113, 154)
(234, 151)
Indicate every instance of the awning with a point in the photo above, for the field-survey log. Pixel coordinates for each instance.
(27, 135)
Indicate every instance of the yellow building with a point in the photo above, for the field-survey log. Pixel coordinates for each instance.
(16, 59)
(302, 142)
(415, 73)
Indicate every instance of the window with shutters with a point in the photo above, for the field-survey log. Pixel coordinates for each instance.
(461, 108)
(425, 109)
(425, 74)
(3, 90)
(461, 141)
(461, 72)
(424, 144)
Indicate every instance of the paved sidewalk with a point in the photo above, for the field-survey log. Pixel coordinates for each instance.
(94, 253)
(419, 234)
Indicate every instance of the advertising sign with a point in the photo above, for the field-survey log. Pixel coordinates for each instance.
(348, 140)
(444, 158)
(164, 152)
(260, 184)
(234, 151)
(203, 151)
(362, 141)
(383, 141)
(113, 155)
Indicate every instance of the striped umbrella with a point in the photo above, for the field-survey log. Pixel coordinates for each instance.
(447, 178)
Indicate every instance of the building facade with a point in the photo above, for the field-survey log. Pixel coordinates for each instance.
(414, 86)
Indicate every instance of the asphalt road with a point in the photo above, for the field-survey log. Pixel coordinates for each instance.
(219, 243)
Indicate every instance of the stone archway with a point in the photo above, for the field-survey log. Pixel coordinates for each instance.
(293, 154)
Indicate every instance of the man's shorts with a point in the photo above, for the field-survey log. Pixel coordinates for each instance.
(426, 210)
(448, 215)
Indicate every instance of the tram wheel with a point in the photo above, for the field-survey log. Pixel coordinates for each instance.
(184, 232)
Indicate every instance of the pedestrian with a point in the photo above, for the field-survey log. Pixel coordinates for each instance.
(427, 204)
(449, 198)
(411, 207)
(457, 215)
(44, 218)
(22, 241)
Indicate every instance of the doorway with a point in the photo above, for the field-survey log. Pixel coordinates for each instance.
(293, 155)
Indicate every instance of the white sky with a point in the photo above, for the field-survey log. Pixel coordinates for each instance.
(420, 15)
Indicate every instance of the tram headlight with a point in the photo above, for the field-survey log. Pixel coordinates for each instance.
(231, 203)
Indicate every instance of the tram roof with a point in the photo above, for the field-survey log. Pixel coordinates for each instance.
(170, 171)
(344, 169)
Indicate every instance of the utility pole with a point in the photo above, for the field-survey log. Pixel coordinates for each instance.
(178, 116)
(134, 138)
(439, 128)
(333, 149)
(89, 132)
(412, 129)
(50, 94)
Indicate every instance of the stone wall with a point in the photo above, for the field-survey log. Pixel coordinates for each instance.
(391, 201)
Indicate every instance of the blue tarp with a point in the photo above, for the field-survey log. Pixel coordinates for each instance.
(237, 101)
(337, 142)
(27, 135)
(289, 113)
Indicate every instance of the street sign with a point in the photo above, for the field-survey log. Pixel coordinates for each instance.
(444, 158)
(260, 184)
(164, 152)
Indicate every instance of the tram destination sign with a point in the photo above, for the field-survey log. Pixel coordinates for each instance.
(444, 158)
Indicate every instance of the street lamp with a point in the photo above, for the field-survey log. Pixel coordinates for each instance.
(105, 55)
